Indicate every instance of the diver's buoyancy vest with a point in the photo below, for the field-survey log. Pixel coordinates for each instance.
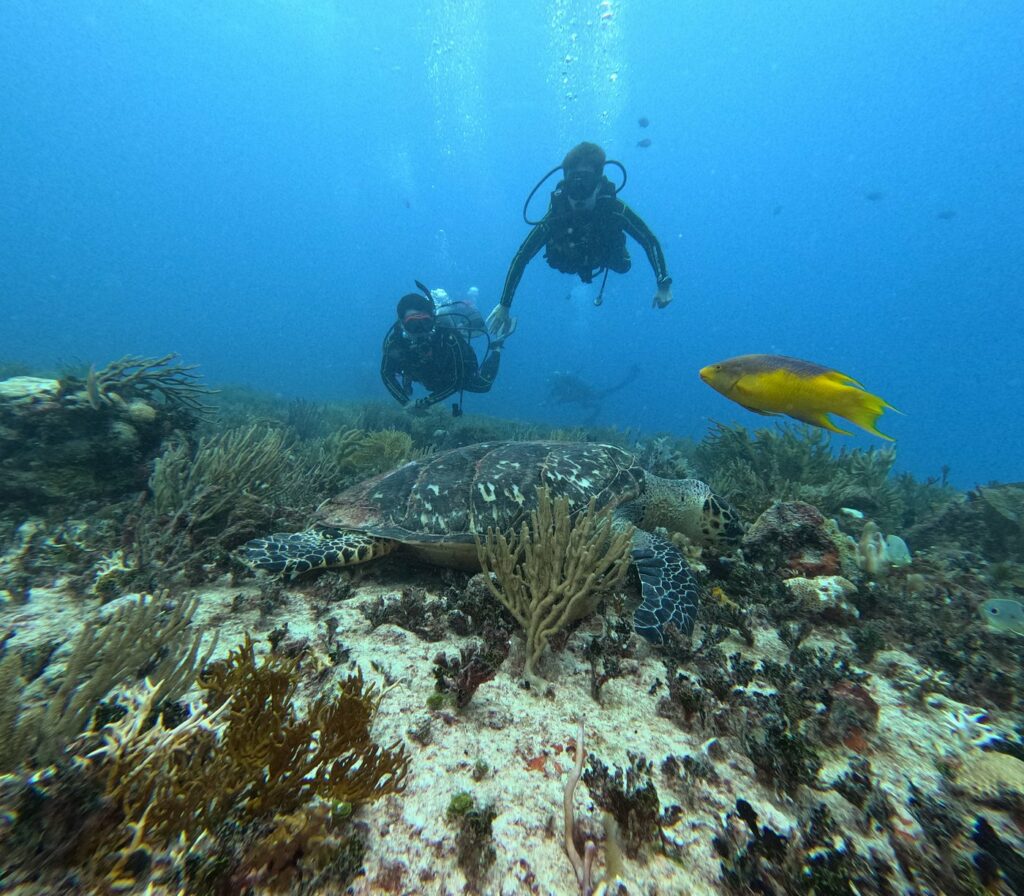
(581, 242)
(462, 316)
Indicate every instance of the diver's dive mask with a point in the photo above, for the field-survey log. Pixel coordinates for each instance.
(417, 315)
(581, 185)
(418, 324)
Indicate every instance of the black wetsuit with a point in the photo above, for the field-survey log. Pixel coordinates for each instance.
(444, 363)
(585, 241)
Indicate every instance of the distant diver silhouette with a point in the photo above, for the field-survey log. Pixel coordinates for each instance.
(568, 388)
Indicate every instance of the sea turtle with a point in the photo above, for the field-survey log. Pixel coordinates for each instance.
(437, 506)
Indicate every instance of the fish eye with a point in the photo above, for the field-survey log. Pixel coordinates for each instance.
(994, 611)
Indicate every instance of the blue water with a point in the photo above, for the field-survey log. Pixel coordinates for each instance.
(254, 184)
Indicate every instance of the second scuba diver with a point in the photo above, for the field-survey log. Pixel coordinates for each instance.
(583, 232)
(431, 346)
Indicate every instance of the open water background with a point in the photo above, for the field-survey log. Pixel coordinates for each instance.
(254, 184)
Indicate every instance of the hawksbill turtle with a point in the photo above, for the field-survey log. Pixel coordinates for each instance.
(436, 507)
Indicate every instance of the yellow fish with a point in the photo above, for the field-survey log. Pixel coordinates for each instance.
(774, 384)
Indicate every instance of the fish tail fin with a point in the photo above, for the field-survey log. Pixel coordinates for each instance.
(863, 409)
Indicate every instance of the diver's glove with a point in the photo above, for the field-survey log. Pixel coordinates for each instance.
(663, 296)
(498, 343)
(499, 323)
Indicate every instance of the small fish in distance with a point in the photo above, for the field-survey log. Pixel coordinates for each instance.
(1003, 615)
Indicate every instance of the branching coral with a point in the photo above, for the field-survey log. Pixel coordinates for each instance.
(249, 755)
(224, 479)
(365, 453)
(233, 484)
(555, 570)
(104, 654)
(146, 378)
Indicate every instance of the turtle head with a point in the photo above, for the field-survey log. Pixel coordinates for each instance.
(691, 507)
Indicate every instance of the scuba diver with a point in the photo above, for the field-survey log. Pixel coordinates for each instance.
(583, 232)
(430, 344)
(568, 388)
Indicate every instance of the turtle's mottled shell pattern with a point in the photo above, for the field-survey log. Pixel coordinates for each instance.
(456, 494)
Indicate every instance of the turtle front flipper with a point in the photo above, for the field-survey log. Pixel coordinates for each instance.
(297, 552)
(670, 591)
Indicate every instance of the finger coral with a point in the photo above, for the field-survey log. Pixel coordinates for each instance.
(555, 569)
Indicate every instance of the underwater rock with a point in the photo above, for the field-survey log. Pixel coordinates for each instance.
(825, 596)
(989, 777)
(1003, 513)
(72, 439)
(852, 713)
(988, 521)
(27, 390)
(795, 536)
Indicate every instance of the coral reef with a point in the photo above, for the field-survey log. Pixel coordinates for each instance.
(246, 790)
(796, 463)
(829, 669)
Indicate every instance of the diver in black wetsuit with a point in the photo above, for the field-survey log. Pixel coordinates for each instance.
(583, 233)
(433, 350)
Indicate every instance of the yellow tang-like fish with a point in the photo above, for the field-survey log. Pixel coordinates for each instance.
(774, 384)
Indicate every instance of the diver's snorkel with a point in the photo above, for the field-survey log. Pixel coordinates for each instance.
(425, 290)
(592, 198)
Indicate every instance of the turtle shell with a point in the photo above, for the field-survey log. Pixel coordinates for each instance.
(457, 494)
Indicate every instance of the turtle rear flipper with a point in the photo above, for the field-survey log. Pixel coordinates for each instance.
(670, 591)
(298, 552)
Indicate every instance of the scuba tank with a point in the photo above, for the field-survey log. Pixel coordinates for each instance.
(458, 314)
